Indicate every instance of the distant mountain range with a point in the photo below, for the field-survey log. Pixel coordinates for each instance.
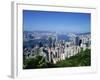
(83, 33)
(57, 32)
(39, 32)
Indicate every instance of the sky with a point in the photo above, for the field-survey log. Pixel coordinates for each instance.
(56, 21)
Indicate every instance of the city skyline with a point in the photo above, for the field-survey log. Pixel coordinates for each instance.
(56, 21)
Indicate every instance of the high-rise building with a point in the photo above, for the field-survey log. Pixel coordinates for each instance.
(77, 41)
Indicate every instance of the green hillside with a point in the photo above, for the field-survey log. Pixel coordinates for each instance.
(81, 59)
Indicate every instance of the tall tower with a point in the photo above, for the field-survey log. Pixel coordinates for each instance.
(77, 40)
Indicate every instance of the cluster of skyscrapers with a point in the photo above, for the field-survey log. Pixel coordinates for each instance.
(54, 50)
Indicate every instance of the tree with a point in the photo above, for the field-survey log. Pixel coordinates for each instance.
(35, 62)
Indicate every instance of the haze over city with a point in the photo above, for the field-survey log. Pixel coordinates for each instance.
(56, 39)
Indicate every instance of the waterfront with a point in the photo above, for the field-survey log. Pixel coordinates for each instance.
(54, 39)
